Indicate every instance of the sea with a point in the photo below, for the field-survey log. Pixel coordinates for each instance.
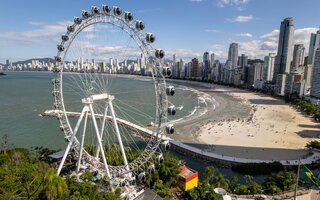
(24, 96)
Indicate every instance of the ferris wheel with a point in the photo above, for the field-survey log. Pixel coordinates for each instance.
(102, 114)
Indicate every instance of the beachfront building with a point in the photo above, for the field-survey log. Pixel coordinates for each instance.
(315, 79)
(284, 55)
(314, 45)
(296, 71)
(212, 59)
(254, 72)
(188, 178)
(195, 69)
(268, 67)
(233, 54)
(242, 63)
(206, 66)
(298, 57)
(231, 63)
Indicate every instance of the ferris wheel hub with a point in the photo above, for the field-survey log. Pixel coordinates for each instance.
(97, 97)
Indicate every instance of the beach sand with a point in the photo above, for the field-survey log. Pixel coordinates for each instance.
(249, 125)
(271, 124)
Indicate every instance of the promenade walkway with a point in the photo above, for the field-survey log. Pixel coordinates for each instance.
(187, 149)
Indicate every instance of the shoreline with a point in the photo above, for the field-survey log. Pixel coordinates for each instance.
(269, 129)
(225, 128)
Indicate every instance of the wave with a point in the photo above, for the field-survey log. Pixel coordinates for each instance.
(205, 102)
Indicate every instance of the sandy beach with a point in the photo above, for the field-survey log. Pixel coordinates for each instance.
(249, 125)
(270, 124)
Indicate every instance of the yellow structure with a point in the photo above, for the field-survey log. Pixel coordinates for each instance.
(188, 178)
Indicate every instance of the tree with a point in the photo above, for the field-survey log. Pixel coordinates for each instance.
(248, 179)
(254, 188)
(285, 180)
(270, 186)
(113, 195)
(54, 186)
(21, 176)
(234, 181)
(313, 144)
(241, 189)
(43, 153)
(161, 190)
(168, 170)
(203, 191)
(215, 178)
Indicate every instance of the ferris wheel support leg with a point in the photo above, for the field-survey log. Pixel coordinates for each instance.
(82, 140)
(102, 130)
(99, 140)
(84, 110)
(118, 135)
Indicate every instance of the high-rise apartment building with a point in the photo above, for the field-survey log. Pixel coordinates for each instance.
(284, 55)
(298, 57)
(206, 66)
(254, 72)
(7, 62)
(212, 59)
(314, 45)
(315, 80)
(233, 55)
(195, 68)
(268, 67)
(243, 60)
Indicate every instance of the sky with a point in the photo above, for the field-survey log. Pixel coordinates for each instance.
(187, 28)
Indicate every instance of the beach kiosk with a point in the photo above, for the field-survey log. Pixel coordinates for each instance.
(188, 178)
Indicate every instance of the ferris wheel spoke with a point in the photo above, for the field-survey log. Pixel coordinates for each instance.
(96, 46)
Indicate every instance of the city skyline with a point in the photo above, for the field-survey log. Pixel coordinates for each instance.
(216, 24)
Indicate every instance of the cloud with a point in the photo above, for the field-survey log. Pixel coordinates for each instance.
(302, 36)
(185, 54)
(90, 36)
(43, 32)
(198, 1)
(212, 31)
(217, 46)
(220, 55)
(241, 19)
(273, 35)
(34, 23)
(249, 35)
(268, 43)
(239, 4)
(101, 52)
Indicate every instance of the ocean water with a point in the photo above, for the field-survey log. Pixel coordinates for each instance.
(25, 95)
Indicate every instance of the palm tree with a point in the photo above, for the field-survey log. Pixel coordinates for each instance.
(54, 186)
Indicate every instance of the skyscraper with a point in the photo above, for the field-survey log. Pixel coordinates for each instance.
(314, 45)
(298, 57)
(174, 59)
(212, 59)
(243, 62)
(268, 67)
(233, 55)
(195, 68)
(206, 66)
(315, 80)
(284, 55)
(7, 62)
